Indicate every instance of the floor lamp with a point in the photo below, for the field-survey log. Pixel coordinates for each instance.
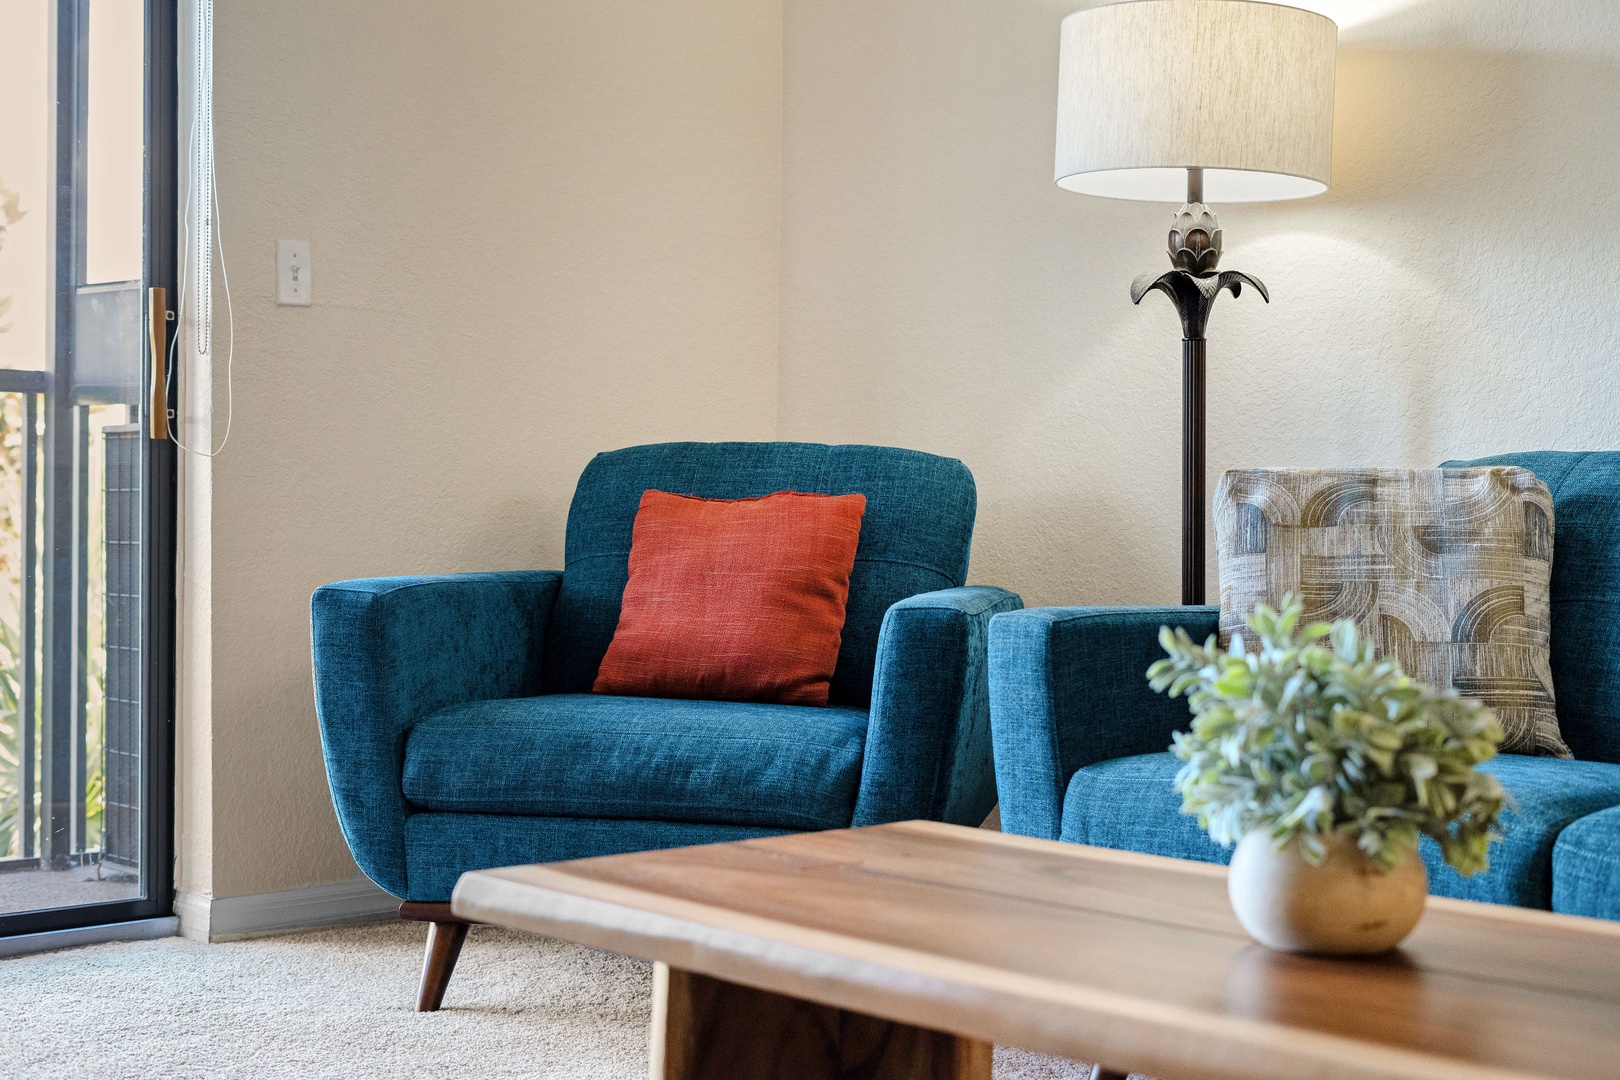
(1229, 100)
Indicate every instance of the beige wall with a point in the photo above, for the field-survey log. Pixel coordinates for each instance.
(1452, 295)
(538, 230)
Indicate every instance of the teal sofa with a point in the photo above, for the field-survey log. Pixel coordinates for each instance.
(1080, 739)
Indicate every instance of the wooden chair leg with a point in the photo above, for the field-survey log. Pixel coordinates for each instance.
(443, 948)
(446, 935)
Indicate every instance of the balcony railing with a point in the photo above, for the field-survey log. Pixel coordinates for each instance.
(70, 622)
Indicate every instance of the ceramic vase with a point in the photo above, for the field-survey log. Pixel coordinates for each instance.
(1348, 906)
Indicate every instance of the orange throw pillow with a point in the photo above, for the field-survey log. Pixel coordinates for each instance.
(734, 599)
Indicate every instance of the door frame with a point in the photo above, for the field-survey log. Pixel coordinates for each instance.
(159, 465)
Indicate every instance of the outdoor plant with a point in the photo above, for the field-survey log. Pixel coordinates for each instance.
(10, 214)
(1307, 740)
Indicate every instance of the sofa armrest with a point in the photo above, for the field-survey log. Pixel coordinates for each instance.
(1068, 687)
(389, 651)
(1586, 867)
(928, 738)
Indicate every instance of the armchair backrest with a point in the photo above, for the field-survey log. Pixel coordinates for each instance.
(914, 538)
(1585, 642)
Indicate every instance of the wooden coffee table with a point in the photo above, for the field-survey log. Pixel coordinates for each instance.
(905, 951)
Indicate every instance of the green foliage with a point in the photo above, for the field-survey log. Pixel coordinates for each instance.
(12, 435)
(1307, 740)
(11, 494)
(10, 804)
(10, 214)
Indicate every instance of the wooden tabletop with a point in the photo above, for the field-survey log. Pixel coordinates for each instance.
(1093, 954)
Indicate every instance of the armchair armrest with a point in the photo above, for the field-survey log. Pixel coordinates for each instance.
(388, 651)
(1068, 688)
(928, 737)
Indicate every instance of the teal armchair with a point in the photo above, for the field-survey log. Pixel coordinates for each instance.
(460, 731)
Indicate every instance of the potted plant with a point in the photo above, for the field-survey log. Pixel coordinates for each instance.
(1325, 765)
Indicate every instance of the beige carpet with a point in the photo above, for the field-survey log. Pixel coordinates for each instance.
(337, 1002)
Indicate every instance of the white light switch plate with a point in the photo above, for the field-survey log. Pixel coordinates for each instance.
(292, 272)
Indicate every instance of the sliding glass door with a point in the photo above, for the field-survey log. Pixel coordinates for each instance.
(87, 241)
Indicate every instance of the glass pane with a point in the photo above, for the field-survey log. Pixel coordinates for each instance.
(16, 747)
(115, 142)
(72, 459)
(25, 177)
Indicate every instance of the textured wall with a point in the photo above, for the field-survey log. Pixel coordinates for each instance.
(1452, 294)
(539, 230)
(544, 229)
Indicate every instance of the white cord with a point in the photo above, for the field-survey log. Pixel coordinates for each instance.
(205, 27)
(202, 164)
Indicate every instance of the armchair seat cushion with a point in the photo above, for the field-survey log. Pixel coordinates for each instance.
(595, 756)
(1129, 803)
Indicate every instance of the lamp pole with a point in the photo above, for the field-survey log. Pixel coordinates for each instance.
(1192, 470)
(1193, 357)
(1195, 251)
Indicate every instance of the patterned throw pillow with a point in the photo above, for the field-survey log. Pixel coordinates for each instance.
(1445, 569)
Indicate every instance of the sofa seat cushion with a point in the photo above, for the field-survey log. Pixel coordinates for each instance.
(1550, 794)
(588, 755)
(1586, 867)
(1130, 803)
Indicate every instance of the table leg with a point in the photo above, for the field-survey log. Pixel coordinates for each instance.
(708, 1029)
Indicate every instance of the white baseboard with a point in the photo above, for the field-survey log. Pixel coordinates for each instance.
(46, 940)
(191, 911)
(206, 918)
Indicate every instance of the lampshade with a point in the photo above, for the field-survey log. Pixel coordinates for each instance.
(1239, 88)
